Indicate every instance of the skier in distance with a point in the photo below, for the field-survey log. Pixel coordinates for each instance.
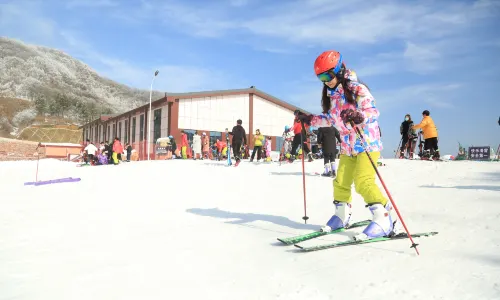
(239, 139)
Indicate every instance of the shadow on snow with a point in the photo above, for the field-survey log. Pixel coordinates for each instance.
(295, 173)
(245, 218)
(465, 187)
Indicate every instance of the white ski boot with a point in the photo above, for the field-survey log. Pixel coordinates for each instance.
(327, 172)
(382, 224)
(332, 170)
(341, 217)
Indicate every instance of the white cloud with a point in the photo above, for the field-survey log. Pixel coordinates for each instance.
(294, 26)
(434, 94)
(23, 19)
(172, 78)
(421, 59)
(26, 21)
(324, 22)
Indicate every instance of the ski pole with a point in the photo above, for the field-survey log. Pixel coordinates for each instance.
(37, 161)
(361, 138)
(305, 217)
(399, 147)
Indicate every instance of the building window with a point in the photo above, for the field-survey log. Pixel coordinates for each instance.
(133, 130)
(157, 124)
(141, 128)
(108, 136)
(114, 131)
(279, 143)
(120, 130)
(127, 130)
(214, 135)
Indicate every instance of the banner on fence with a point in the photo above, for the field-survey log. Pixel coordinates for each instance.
(479, 153)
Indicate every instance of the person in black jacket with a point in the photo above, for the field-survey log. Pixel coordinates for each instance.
(408, 137)
(326, 137)
(239, 139)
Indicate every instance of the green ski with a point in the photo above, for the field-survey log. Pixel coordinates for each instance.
(304, 237)
(351, 243)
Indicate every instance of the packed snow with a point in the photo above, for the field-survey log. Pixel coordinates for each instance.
(184, 229)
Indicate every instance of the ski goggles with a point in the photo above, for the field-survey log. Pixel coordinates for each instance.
(326, 76)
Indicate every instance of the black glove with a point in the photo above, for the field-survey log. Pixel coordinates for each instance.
(349, 115)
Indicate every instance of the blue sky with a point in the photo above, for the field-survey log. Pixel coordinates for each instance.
(414, 55)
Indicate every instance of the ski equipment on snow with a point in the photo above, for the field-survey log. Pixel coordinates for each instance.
(305, 217)
(308, 236)
(400, 236)
(60, 180)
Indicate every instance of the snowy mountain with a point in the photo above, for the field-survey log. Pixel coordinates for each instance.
(43, 74)
(182, 242)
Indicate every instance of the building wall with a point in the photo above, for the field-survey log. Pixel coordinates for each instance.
(215, 113)
(270, 118)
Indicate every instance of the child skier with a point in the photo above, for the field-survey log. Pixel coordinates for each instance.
(287, 143)
(345, 100)
(267, 149)
(326, 138)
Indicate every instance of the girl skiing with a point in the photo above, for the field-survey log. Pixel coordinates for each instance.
(267, 148)
(346, 100)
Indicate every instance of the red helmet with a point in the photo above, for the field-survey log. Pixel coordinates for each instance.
(328, 60)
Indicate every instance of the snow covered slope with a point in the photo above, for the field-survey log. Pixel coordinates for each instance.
(201, 230)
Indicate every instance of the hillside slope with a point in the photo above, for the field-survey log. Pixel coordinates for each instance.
(9, 108)
(61, 84)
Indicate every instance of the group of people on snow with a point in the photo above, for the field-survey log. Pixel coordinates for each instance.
(107, 153)
(323, 143)
(409, 138)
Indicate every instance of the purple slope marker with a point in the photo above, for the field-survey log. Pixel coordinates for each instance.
(60, 180)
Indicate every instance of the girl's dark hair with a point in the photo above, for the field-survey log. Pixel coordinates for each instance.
(326, 103)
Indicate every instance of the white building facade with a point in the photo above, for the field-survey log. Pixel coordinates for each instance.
(210, 112)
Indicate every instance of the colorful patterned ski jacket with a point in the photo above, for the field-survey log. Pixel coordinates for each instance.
(365, 103)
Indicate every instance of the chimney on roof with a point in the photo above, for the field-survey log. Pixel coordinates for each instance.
(252, 87)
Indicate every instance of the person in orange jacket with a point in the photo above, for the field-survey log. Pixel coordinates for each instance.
(205, 145)
(221, 149)
(117, 148)
(430, 136)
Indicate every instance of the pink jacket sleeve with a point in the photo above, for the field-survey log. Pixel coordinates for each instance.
(365, 103)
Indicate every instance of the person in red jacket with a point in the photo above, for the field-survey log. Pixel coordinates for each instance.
(184, 144)
(299, 135)
(221, 146)
(117, 148)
